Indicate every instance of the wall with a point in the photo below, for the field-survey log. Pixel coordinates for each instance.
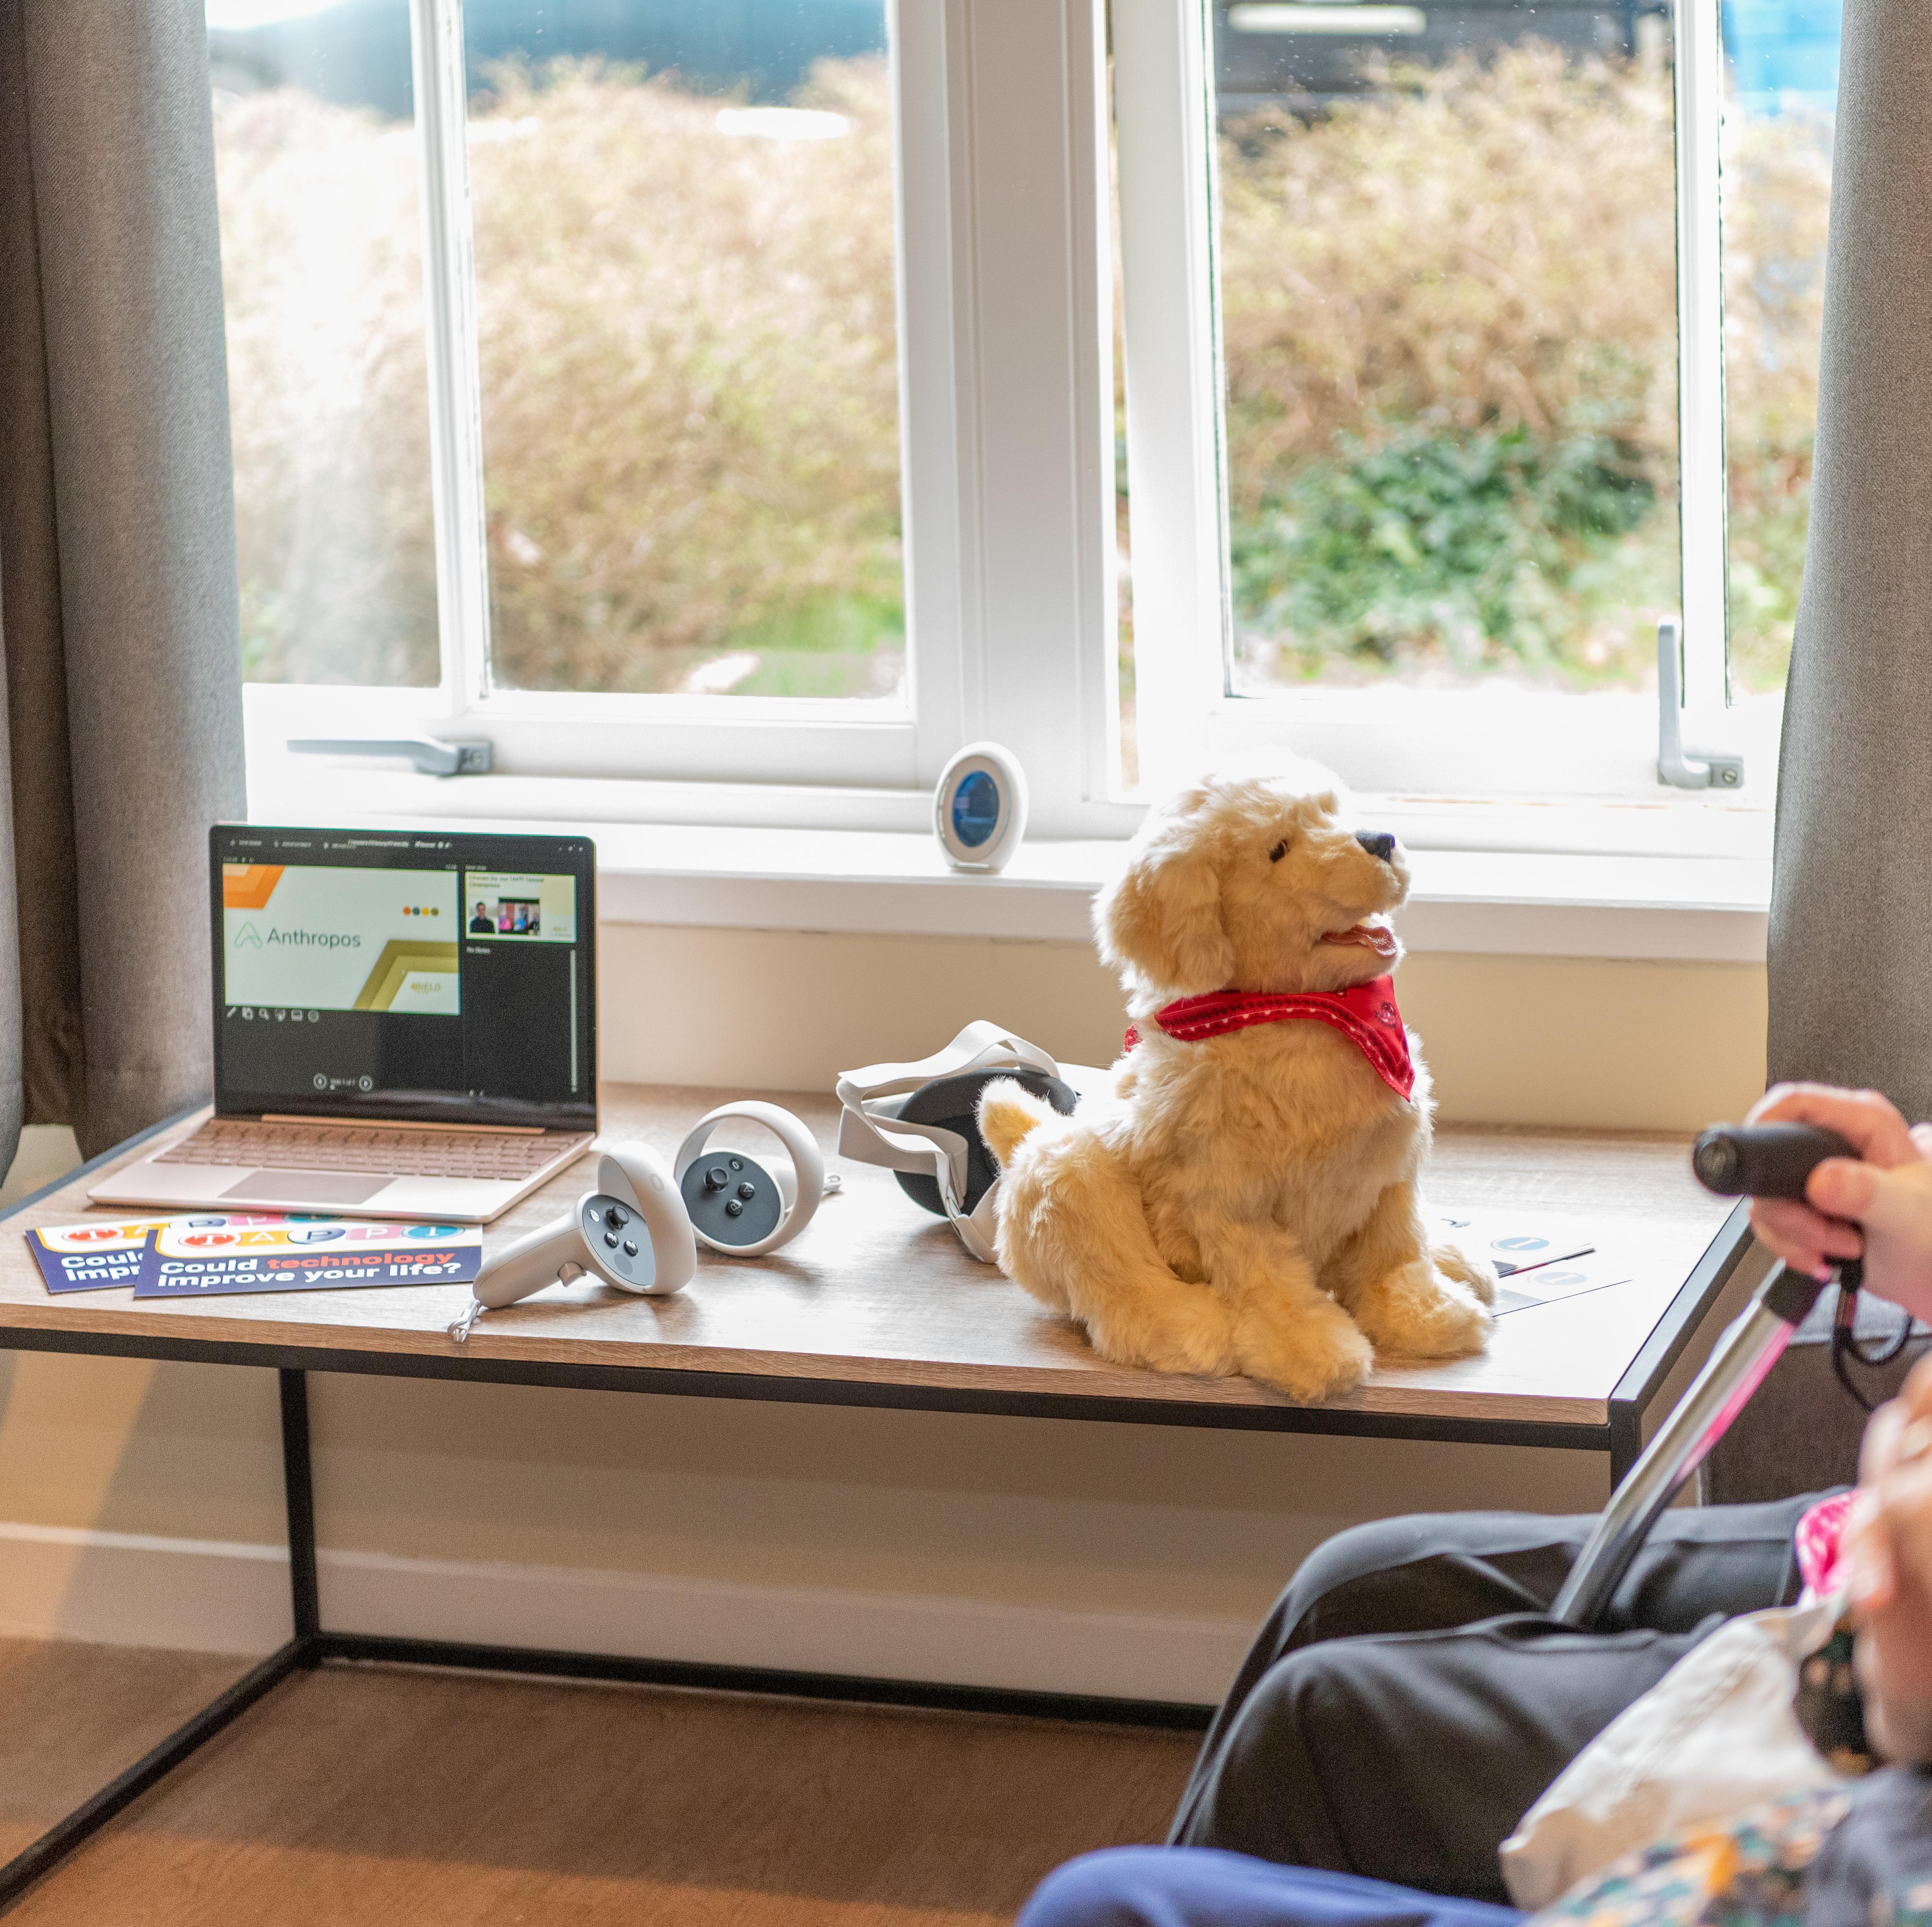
(1535, 1040)
(143, 1502)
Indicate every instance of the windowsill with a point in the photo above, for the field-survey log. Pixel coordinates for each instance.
(892, 881)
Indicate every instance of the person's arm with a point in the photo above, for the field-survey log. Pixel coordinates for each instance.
(1877, 1206)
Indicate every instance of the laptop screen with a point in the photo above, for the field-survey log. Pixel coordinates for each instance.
(447, 978)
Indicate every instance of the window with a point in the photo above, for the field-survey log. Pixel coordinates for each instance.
(322, 255)
(1503, 347)
(761, 395)
(687, 349)
(737, 408)
(1782, 64)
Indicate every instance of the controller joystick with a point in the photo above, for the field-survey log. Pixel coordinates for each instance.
(736, 1205)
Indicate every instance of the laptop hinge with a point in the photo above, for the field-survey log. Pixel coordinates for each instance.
(403, 1124)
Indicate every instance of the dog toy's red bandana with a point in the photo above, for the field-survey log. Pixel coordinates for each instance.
(1367, 1016)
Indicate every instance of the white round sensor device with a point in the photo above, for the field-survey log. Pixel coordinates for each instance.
(980, 807)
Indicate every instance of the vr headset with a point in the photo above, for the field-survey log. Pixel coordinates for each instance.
(919, 1121)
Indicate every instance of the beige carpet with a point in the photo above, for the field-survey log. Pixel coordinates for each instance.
(72, 1717)
(357, 1795)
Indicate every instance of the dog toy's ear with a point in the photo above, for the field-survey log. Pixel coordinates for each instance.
(1162, 920)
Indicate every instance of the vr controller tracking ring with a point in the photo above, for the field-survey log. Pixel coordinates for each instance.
(736, 1205)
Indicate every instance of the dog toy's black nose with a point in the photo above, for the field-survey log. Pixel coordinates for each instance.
(1378, 843)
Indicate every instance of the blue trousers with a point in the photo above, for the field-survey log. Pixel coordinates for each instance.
(1202, 1886)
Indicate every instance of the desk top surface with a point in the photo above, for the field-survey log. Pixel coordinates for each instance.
(879, 1297)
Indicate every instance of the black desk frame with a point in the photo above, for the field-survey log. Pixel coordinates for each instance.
(312, 1645)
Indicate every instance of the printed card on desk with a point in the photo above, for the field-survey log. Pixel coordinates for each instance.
(94, 1257)
(1513, 1244)
(1539, 1261)
(191, 1258)
(207, 1254)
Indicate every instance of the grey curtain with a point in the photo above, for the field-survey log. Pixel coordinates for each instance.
(117, 606)
(1851, 914)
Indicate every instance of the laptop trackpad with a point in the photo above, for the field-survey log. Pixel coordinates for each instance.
(311, 1187)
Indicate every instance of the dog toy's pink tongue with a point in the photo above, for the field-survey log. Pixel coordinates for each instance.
(1375, 937)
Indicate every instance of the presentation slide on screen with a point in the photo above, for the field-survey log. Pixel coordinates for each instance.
(302, 938)
(506, 903)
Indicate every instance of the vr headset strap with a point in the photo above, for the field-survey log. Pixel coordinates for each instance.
(870, 1136)
(981, 1046)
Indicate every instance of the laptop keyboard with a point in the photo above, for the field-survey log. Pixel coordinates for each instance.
(428, 1153)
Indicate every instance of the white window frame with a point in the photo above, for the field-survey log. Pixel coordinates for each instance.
(1422, 752)
(1005, 388)
(1005, 293)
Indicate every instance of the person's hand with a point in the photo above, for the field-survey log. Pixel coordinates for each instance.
(1889, 1554)
(1877, 1206)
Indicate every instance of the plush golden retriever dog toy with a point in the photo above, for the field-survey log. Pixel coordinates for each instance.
(1247, 1201)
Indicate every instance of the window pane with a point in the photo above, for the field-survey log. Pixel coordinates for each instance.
(1127, 775)
(322, 267)
(1449, 311)
(684, 237)
(1782, 66)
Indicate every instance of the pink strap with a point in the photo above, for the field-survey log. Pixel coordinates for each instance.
(1819, 1542)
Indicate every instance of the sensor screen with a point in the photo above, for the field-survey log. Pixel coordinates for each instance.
(976, 809)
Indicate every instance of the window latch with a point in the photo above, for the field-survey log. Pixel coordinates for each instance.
(1673, 766)
(423, 753)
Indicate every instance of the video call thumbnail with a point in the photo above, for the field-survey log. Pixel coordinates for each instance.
(506, 903)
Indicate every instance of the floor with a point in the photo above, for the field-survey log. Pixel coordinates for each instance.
(358, 1795)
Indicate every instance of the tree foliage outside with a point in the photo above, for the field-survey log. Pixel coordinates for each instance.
(690, 389)
(1448, 313)
(322, 262)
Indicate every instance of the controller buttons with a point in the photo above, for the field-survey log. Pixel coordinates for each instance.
(630, 1247)
(737, 1164)
(747, 1192)
(716, 1179)
(734, 1208)
(611, 1239)
(617, 1217)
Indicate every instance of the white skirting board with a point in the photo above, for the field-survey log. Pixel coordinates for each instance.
(214, 1595)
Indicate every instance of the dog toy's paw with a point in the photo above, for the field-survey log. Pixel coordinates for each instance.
(1476, 1272)
(1190, 1332)
(1309, 1351)
(1417, 1313)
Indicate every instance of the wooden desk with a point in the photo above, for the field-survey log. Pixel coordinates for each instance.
(877, 1304)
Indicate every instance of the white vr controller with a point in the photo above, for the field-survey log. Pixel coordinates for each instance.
(737, 1206)
(640, 1230)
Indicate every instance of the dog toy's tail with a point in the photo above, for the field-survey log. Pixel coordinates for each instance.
(1008, 1114)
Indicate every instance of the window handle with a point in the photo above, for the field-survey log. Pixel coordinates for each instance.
(1673, 766)
(423, 753)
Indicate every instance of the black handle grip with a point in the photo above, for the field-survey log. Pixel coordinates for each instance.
(1763, 1160)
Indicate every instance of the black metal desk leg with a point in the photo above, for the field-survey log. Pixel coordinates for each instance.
(303, 1587)
(60, 1839)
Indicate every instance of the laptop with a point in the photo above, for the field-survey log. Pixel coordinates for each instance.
(405, 1026)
